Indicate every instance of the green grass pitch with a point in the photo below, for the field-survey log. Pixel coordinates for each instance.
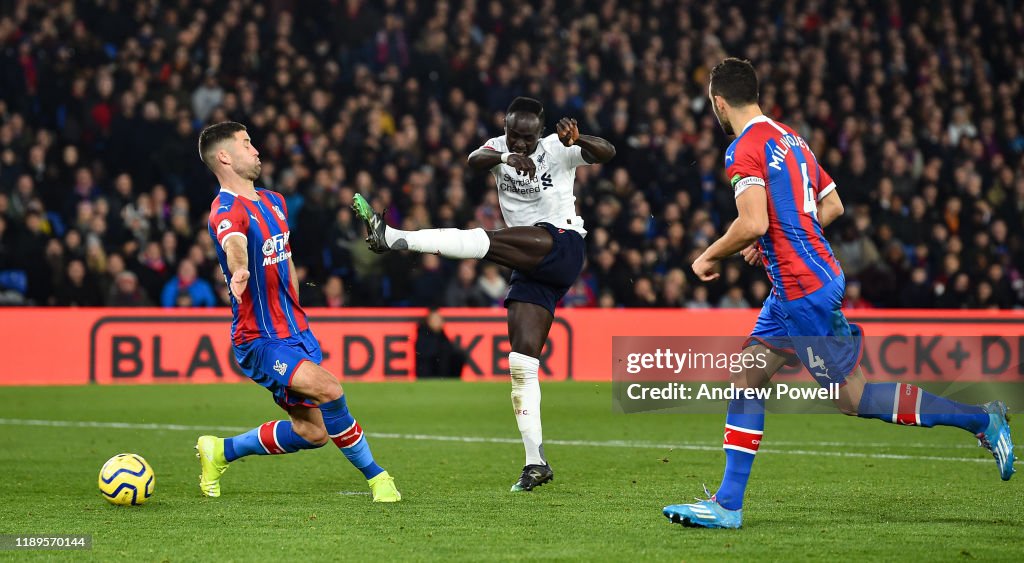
(824, 486)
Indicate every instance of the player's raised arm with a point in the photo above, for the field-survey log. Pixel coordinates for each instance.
(238, 264)
(595, 149)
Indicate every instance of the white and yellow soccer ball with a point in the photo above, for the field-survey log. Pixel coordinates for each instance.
(127, 480)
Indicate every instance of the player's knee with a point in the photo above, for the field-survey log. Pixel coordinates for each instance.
(330, 390)
(316, 435)
(528, 346)
(738, 380)
(748, 378)
(325, 387)
(531, 349)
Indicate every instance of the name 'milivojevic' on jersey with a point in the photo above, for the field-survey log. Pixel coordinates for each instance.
(270, 307)
(548, 197)
(796, 255)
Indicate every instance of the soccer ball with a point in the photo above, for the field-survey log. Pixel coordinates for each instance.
(126, 480)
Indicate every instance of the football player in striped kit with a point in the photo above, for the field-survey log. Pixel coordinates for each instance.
(785, 199)
(271, 338)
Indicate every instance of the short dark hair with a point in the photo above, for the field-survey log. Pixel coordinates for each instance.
(736, 81)
(527, 105)
(213, 135)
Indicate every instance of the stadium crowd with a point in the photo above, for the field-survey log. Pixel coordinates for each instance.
(913, 107)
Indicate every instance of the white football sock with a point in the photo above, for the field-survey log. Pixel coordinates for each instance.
(450, 243)
(526, 402)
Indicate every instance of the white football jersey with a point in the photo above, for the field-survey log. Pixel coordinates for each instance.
(548, 198)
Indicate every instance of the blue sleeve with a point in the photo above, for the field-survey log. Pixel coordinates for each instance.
(170, 293)
(204, 294)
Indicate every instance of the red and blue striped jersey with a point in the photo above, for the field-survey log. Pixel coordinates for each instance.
(270, 305)
(796, 255)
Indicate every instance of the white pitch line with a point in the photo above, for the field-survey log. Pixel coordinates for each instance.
(874, 444)
(488, 440)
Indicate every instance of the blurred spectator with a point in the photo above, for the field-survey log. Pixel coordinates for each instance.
(853, 298)
(733, 299)
(78, 288)
(643, 293)
(918, 294)
(436, 356)
(126, 292)
(334, 292)
(429, 285)
(186, 290)
(580, 294)
(492, 285)
(700, 298)
(462, 290)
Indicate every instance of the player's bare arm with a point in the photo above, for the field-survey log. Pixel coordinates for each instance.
(595, 149)
(752, 222)
(238, 264)
(830, 208)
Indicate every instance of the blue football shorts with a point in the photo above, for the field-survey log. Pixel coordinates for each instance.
(272, 363)
(812, 330)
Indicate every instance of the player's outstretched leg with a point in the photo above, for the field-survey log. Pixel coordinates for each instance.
(902, 403)
(318, 384)
(270, 438)
(450, 243)
(521, 248)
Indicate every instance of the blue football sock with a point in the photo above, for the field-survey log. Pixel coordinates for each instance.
(348, 436)
(900, 403)
(274, 437)
(744, 426)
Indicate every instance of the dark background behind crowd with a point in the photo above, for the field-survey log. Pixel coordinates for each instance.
(914, 107)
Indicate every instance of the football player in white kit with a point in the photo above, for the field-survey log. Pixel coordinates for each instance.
(543, 245)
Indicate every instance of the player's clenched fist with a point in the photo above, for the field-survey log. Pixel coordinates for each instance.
(704, 269)
(239, 280)
(568, 131)
(523, 164)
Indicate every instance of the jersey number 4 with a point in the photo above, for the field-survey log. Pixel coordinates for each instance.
(810, 203)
